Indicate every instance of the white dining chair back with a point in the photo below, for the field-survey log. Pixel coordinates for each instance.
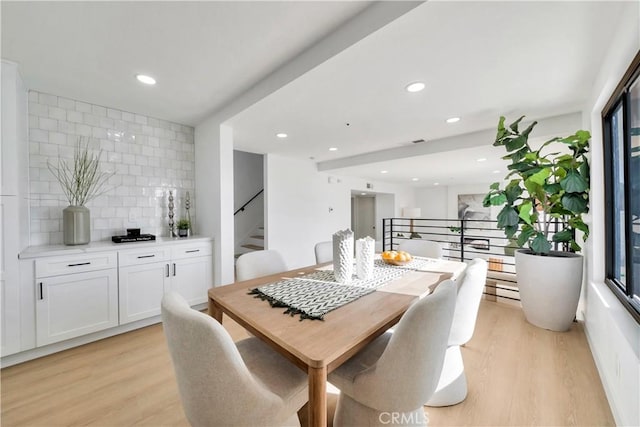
(224, 384)
(258, 264)
(397, 372)
(452, 386)
(423, 248)
(324, 252)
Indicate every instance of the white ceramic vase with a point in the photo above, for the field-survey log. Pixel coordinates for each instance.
(343, 256)
(549, 287)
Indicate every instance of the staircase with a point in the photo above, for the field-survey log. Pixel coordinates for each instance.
(255, 242)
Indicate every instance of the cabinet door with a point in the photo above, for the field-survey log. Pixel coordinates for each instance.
(141, 290)
(9, 277)
(192, 278)
(71, 305)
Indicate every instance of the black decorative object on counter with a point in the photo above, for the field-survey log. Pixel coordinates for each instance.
(133, 235)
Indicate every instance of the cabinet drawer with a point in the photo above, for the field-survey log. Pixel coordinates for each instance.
(55, 266)
(143, 256)
(190, 250)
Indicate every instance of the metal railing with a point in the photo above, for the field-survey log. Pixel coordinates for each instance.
(464, 240)
(241, 209)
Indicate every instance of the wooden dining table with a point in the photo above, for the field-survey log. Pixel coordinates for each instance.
(320, 346)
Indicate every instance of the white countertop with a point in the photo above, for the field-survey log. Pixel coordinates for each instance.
(103, 245)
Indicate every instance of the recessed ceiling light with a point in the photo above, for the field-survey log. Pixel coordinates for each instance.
(384, 171)
(496, 171)
(333, 149)
(436, 183)
(415, 179)
(453, 119)
(363, 194)
(148, 80)
(415, 87)
(481, 159)
(281, 135)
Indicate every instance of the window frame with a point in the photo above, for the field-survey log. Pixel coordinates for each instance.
(620, 97)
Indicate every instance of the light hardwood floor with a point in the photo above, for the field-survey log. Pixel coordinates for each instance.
(517, 374)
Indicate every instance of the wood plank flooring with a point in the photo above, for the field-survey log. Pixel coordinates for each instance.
(517, 374)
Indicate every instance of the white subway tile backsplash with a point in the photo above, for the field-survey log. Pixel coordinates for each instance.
(48, 124)
(114, 114)
(149, 156)
(66, 103)
(96, 110)
(74, 117)
(57, 113)
(83, 107)
(47, 99)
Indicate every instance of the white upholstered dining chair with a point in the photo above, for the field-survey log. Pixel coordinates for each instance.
(424, 248)
(324, 252)
(227, 384)
(452, 386)
(398, 372)
(259, 263)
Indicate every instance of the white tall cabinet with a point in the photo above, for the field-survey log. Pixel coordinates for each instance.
(14, 212)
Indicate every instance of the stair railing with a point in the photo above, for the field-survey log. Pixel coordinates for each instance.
(241, 209)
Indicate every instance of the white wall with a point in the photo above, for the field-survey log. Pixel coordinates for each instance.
(304, 206)
(248, 179)
(214, 188)
(614, 336)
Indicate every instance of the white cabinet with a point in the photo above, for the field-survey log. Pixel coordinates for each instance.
(75, 301)
(14, 215)
(144, 276)
(9, 283)
(192, 271)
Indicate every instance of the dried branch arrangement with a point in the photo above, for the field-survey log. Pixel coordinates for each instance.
(81, 180)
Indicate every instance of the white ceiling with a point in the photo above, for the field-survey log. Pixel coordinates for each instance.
(202, 54)
(478, 59)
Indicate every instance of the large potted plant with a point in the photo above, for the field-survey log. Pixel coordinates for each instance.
(81, 181)
(547, 185)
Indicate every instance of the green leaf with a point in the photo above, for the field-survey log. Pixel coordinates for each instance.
(498, 199)
(508, 216)
(574, 183)
(495, 186)
(575, 203)
(514, 125)
(540, 245)
(540, 177)
(525, 235)
(563, 236)
(525, 212)
(510, 231)
(528, 130)
(512, 144)
(513, 191)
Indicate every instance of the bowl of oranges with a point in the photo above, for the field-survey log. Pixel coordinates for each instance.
(396, 257)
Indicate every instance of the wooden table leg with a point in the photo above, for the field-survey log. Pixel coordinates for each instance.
(215, 311)
(317, 397)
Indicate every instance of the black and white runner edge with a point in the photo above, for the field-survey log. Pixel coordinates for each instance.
(314, 295)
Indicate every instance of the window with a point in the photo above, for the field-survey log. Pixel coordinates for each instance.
(621, 120)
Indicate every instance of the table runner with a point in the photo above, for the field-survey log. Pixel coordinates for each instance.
(314, 295)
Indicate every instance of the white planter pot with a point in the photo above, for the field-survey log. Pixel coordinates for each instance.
(549, 287)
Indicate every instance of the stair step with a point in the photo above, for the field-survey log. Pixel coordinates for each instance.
(258, 237)
(254, 247)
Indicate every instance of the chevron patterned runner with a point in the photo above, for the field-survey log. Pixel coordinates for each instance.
(314, 295)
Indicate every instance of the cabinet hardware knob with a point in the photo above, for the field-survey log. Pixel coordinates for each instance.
(167, 270)
(193, 250)
(174, 268)
(41, 293)
(80, 263)
(146, 256)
